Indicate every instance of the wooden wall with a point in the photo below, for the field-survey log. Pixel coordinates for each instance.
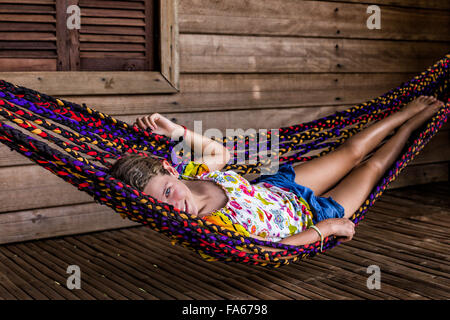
(252, 64)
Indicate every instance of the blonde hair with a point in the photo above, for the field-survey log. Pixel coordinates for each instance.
(137, 170)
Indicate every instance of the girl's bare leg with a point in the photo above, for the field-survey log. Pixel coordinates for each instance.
(354, 189)
(320, 174)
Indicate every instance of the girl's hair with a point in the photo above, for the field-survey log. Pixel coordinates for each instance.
(137, 170)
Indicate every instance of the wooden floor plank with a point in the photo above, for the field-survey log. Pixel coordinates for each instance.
(212, 269)
(176, 261)
(59, 279)
(4, 294)
(414, 266)
(403, 251)
(91, 275)
(402, 288)
(432, 222)
(222, 269)
(182, 270)
(22, 278)
(420, 283)
(411, 245)
(104, 267)
(131, 262)
(11, 290)
(336, 257)
(438, 246)
(355, 281)
(56, 270)
(48, 254)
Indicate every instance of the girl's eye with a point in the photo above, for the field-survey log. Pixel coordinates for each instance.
(167, 192)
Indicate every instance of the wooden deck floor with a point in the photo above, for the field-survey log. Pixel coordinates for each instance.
(406, 234)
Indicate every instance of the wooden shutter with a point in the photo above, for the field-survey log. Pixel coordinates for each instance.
(117, 35)
(28, 35)
(114, 36)
(140, 36)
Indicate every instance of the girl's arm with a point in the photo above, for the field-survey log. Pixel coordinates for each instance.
(340, 227)
(213, 154)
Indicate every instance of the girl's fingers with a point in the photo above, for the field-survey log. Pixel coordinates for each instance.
(153, 120)
(140, 124)
(144, 123)
(148, 123)
(344, 239)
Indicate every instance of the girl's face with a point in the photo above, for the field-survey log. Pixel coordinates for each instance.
(168, 188)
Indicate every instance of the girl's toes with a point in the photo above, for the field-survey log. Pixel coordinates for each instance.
(436, 106)
(438, 102)
(430, 100)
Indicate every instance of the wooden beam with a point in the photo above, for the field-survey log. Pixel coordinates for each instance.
(227, 92)
(258, 54)
(91, 82)
(169, 52)
(58, 221)
(427, 4)
(30, 187)
(311, 19)
(25, 64)
(421, 174)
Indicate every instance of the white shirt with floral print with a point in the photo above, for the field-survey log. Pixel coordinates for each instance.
(261, 209)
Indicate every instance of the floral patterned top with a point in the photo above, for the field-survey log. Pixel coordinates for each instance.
(260, 209)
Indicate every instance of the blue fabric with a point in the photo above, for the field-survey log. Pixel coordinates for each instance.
(321, 207)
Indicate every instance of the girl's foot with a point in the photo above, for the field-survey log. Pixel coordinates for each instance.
(419, 104)
(419, 119)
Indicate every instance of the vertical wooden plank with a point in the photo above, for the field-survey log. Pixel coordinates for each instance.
(68, 44)
(169, 40)
(174, 44)
(61, 36)
(163, 41)
(74, 44)
(151, 39)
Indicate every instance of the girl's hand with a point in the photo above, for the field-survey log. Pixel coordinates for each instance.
(342, 228)
(158, 124)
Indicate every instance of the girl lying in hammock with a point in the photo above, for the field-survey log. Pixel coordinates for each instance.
(297, 205)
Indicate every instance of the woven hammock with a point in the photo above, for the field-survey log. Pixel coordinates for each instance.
(79, 144)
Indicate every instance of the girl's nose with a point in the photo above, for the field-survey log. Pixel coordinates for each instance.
(178, 195)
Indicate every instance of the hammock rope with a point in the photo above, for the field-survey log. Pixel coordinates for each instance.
(79, 144)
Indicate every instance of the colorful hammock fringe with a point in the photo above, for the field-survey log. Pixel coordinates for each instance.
(85, 141)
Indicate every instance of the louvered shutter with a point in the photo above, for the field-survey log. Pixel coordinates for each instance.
(28, 35)
(117, 35)
(114, 36)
